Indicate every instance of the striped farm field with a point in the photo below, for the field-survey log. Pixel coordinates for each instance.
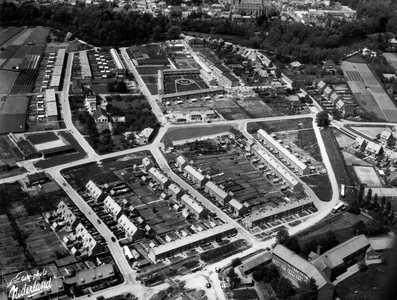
(8, 33)
(38, 36)
(17, 57)
(22, 36)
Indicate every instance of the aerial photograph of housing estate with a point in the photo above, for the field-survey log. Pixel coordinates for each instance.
(198, 149)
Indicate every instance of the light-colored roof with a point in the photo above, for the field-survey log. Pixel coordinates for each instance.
(373, 147)
(236, 204)
(387, 192)
(287, 175)
(193, 172)
(261, 214)
(181, 160)
(382, 243)
(385, 135)
(328, 90)
(127, 225)
(301, 264)
(191, 239)
(216, 189)
(112, 205)
(193, 204)
(254, 261)
(95, 274)
(174, 188)
(280, 148)
(334, 257)
(146, 161)
(157, 174)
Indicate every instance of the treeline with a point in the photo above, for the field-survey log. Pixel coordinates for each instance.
(97, 25)
(100, 26)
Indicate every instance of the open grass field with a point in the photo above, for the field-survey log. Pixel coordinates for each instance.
(7, 79)
(38, 36)
(149, 79)
(336, 157)
(153, 89)
(320, 185)
(367, 175)
(244, 294)
(9, 33)
(257, 108)
(362, 285)
(176, 134)
(281, 125)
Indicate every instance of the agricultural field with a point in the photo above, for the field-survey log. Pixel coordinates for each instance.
(20, 38)
(38, 36)
(368, 91)
(7, 80)
(9, 33)
(16, 58)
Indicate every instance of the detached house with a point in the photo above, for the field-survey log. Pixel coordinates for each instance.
(100, 115)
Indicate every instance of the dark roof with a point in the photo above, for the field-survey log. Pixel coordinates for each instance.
(37, 176)
(40, 138)
(27, 148)
(99, 112)
(58, 149)
(91, 275)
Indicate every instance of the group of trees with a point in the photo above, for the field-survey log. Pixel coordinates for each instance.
(371, 228)
(90, 126)
(117, 87)
(100, 25)
(326, 241)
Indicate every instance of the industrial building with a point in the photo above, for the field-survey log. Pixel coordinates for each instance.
(284, 155)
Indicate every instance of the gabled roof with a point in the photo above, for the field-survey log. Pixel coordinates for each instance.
(301, 264)
(385, 135)
(335, 256)
(235, 204)
(100, 112)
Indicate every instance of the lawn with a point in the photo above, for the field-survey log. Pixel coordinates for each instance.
(245, 294)
(177, 134)
(257, 108)
(281, 125)
(39, 36)
(320, 185)
(362, 285)
(336, 157)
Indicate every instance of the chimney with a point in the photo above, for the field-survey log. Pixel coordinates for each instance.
(318, 249)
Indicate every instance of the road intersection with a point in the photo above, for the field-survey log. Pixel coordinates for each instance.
(130, 284)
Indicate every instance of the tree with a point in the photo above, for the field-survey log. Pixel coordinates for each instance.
(121, 87)
(309, 247)
(282, 236)
(258, 273)
(331, 239)
(284, 288)
(388, 206)
(359, 227)
(369, 196)
(382, 202)
(174, 32)
(236, 262)
(277, 72)
(293, 244)
(322, 119)
(308, 290)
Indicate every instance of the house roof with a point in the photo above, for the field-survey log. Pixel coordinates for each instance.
(236, 204)
(100, 112)
(91, 275)
(254, 261)
(385, 135)
(193, 172)
(37, 176)
(301, 264)
(373, 147)
(335, 256)
(382, 243)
